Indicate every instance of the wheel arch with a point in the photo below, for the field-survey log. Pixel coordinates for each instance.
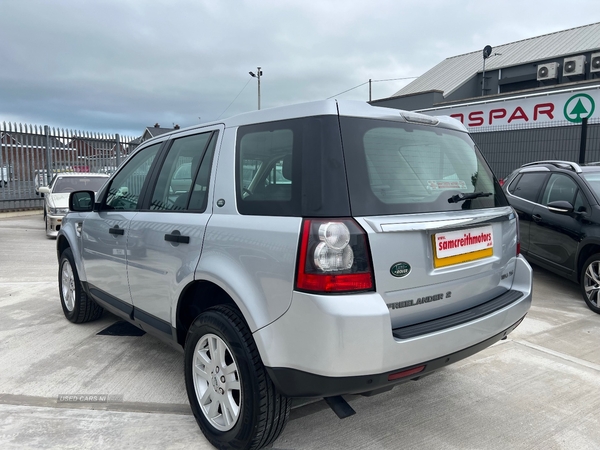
(67, 238)
(196, 298)
(587, 250)
(61, 245)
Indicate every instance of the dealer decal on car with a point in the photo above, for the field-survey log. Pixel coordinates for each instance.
(456, 247)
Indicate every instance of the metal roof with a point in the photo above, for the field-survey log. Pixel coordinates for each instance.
(453, 72)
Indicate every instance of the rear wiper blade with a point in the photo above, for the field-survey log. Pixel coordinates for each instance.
(460, 197)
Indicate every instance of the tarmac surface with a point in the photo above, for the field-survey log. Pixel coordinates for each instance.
(539, 389)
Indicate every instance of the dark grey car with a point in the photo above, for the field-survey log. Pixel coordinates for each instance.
(559, 211)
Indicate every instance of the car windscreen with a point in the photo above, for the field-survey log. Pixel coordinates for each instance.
(593, 181)
(397, 168)
(71, 184)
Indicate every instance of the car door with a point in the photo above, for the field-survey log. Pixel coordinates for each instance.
(166, 237)
(104, 232)
(523, 192)
(554, 237)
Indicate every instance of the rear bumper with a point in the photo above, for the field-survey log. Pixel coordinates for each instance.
(344, 341)
(296, 383)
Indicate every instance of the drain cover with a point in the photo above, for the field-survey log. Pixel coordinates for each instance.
(122, 328)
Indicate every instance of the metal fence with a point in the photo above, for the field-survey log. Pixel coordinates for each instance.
(31, 155)
(509, 147)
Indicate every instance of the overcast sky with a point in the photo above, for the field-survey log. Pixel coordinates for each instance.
(119, 66)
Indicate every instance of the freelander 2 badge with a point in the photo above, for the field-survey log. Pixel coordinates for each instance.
(400, 269)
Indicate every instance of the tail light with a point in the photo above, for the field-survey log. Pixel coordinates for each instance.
(334, 257)
(518, 234)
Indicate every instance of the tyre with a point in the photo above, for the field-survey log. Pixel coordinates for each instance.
(232, 397)
(76, 304)
(590, 282)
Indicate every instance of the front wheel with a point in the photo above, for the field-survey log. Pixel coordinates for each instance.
(232, 397)
(76, 304)
(590, 282)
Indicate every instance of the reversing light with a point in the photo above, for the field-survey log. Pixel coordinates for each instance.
(329, 259)
(334, 252)
(335, 234)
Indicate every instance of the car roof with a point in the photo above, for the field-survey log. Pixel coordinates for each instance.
(346, 108)
(556, 166)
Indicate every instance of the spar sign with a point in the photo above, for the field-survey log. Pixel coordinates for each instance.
(572, 106)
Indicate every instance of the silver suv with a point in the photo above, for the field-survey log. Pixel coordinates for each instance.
(316, 250)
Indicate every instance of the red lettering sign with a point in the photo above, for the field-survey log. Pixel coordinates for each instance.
(543, 108)
(476, 119)
(518, 114)
(497, 114)
(459, 116)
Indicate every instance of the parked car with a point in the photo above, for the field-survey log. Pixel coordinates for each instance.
(56, 196)
(321, 249)
(559, 215)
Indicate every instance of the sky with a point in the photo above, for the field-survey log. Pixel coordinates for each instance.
(120, 66)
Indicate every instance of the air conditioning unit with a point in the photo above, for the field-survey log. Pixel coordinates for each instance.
(547, 71)
(595, 62)
(575, 65)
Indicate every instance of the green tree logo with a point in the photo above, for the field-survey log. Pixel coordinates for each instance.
(579, 107)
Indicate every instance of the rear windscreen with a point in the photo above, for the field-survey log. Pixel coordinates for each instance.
(396, 167)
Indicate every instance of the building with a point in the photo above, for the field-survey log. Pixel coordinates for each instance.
(520, 88)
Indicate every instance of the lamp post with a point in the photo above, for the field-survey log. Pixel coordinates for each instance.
(257, 75)
(487, 52)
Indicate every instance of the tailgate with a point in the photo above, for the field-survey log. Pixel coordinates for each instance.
(433, 265)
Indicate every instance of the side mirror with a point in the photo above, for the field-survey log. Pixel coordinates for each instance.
(44, 190)
(560, 207)
(81, 201)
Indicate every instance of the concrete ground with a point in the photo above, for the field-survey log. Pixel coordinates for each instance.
(539, 389)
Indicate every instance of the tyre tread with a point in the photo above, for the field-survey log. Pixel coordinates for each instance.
(274, 408)
(87, 309)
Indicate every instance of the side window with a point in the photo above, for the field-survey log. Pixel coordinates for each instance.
(265, 166)
(579, 205)
(126, 187)
(174, 183)
(528, 185)
(559, 187)
(199, 194)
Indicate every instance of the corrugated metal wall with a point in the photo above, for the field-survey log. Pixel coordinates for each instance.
(30, 155)
(507, 148)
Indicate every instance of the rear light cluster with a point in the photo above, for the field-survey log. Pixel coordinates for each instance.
(518, 234)
(334, 257)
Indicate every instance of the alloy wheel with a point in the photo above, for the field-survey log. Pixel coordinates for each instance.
(68, 286)
(591, 282)
(217, 382)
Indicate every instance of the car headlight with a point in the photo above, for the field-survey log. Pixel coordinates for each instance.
(57, 211)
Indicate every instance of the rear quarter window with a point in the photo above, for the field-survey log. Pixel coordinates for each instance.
(528, 185)
(291, 168)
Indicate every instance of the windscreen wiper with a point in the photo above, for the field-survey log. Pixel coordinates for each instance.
(460, 197)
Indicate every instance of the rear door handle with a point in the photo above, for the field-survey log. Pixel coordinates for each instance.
(536, 218)
(116, 230)
(176, 236)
